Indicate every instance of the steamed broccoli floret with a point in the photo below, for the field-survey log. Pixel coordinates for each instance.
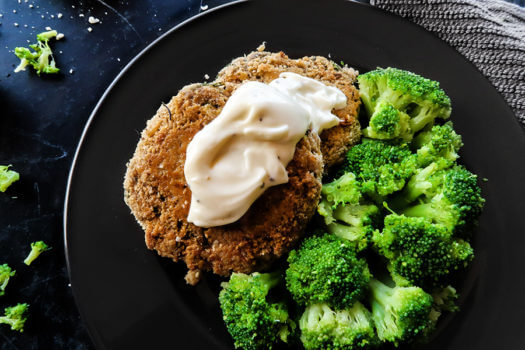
(354, 222)
(388, 123)
(326, 269)
(5, 274)
(425, 181)
(381, 168)
(7, 177)
(343, 190)
(37, 248)
(401, 314)
(253, 321)
(456, 203)
(422, 99)
(15, 316)
(41, 58)
(345, 214)
(419, 252)
(441, 142)
(324, 328)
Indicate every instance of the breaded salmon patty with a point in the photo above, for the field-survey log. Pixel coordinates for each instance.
(159, 197)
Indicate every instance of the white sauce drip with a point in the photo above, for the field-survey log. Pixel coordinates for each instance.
(246, 148)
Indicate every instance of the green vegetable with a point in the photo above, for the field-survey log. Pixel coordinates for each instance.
(7, 177)
(15, 316)
(455, 202)
(324, 328)
(421, 253)
(344, 190)
(425, 181)
(420, 98)
(388, 123)
(37, 248)
(41, 58)
(381, 167)
(5, 274)
(326, 269)
(253, 321)
(441, 142)
(401, 314)
(345, 212)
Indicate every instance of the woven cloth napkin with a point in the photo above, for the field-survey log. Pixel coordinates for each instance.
(490, 33)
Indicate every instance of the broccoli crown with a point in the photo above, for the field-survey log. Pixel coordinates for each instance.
(251, 319)
(439, 142)
(419, 252)
(401, 314)
(422, 99)
(324, 328)
(15, 316)
(5, 274)
(37, 248)
(7, 177)
(343, 215)
(388, 123)
(426, 181)
(381, 167)
(457, 202)
(326, 269)
(41, 59)
(343, 190)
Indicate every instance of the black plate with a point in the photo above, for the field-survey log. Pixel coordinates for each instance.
(130, 298)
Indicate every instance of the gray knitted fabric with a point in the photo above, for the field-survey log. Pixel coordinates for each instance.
(490, 33)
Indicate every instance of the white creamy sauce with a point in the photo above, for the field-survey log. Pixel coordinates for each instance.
(246, 148)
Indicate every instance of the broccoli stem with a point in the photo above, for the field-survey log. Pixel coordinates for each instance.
(347, 232)
(421, 120)
(380, 291)
(31, 257)
(380, 302)
(45, 36)
(427, 210)
(37, 248)
(418, 184)
(271, 279)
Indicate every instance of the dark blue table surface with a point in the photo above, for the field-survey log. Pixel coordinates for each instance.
(41, 120)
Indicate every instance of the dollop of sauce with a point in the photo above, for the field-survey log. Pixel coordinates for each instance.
(246, 148)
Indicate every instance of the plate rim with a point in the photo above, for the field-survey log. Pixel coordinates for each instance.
(85, 131)
(149, 47)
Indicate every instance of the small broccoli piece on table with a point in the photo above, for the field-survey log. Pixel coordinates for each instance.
(422, 99)
(326, 269)
(322, 327)
(345, 213)
(388, 123)
(456, 203)
(441, 142)
(419, 252)
(253, 321)
(381, 167)
(15, 316)
(7, 177)
(5, 274)
(41, 59)
(37, 248)
(401, 314)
